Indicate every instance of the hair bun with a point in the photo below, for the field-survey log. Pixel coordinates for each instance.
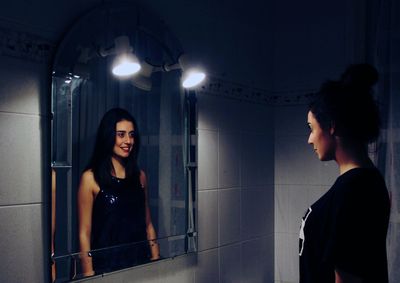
(360, 76)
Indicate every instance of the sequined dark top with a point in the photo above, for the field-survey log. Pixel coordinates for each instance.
(119, 236)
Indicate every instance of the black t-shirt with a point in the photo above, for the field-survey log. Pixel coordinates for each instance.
(346, 230)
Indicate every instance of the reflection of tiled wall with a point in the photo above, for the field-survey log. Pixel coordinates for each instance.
(300, 179)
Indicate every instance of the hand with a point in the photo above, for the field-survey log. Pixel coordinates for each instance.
(154, 258)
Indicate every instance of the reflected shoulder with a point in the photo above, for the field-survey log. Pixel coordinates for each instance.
(87, 175)
(88, 181)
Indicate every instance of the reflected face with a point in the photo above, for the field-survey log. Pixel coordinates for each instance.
(124, 139)
(321, 139)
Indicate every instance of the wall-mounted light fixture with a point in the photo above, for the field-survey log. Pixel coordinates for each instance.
(191, 76)
(143, 79)
(125, 63)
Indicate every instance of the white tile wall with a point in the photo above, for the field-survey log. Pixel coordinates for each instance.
(294, 160)
(207, 269)
(281, 209)
(291, 203)
(315, 192)
(208, 159)
(173, 270)
(256, 118)
(231, 264)
(258, 257)
(148, 274)
(257, 159)
(231, 115)
(291, 120)
(286, 257)
(257, 212)
(23, 94)
(22, 83)
(229, 207)
(208, 116)
(296, 163)
(21, 243)
(208, 219)
(180, 269)
(229, 156)
(298, 204)
(20, 148)
(245, 200)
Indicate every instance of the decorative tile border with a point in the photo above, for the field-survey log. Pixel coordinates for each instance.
(293, 97)
(25, 46)
(218, 87)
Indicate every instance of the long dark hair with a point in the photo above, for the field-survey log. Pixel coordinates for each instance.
(348, 104)
(100, 162)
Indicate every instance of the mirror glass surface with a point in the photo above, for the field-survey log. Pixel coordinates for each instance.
(83, 90)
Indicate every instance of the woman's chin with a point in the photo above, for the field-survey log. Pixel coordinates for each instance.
(122, 155)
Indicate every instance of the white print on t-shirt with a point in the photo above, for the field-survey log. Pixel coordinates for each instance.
(301, 235)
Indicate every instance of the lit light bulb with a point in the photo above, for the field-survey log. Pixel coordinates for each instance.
(126, 66)
(193, 78)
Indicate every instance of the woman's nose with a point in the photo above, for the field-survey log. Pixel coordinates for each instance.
(128, 139)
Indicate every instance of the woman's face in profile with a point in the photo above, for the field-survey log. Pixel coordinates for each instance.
(124, 139)
(322, 140)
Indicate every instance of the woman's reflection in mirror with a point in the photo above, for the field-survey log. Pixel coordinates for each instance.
(115, 227)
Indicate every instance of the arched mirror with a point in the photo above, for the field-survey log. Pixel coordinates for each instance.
(84, 89)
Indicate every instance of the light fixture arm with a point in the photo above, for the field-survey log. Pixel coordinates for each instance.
(121, 46)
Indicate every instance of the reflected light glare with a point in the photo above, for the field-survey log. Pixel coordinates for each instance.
(126, 68)
(193, 79)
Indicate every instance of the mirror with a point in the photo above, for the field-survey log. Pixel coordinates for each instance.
(83, 91)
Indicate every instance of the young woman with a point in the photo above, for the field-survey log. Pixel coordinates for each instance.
(343, 234)
(115, 227)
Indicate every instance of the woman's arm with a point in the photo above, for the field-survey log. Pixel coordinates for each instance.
(151, 232)
(53, 221)
(344, 277)
(85, 205)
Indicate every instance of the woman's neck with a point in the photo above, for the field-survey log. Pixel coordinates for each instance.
(352, 157)
(119, 168)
